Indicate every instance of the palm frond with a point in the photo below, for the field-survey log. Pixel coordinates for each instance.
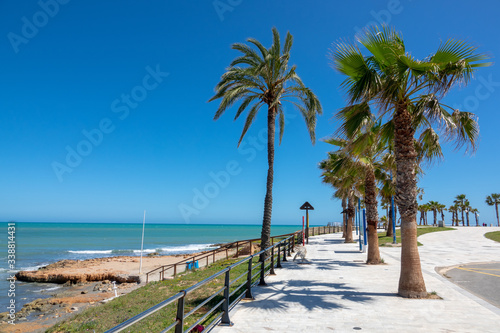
(249, 120)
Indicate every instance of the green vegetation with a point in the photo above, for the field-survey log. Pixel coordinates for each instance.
(382, 240)
(495, 235)
(106, 316)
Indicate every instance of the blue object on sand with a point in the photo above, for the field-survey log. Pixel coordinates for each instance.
(189, 264)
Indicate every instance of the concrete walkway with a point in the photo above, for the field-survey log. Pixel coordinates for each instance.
(338, 292)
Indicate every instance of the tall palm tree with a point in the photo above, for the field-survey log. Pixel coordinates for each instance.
(475, 211)
(435, 207)
(409, 92)
(346, 182)
(387, 188)
(424, 209)
(441, 209)
(263, 77)
(494, 200)
(454, 214)
(460, 201)
(421, 210)
(467, 209)
(364, 153)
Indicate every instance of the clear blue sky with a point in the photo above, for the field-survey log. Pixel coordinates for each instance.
(135, 77)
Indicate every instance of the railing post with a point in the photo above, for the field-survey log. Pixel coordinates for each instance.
(289, 247)
(262, 273)
(293, 243)
(248, 294)
(284, 251)
(175, 269)
(225, 305)
(179, 328)
(278, 265)
(271, 272)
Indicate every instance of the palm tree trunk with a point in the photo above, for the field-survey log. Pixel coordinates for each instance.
(389, 227)
(467, 214)
(350, 219)
(371, 217)
(496, 208)
(344, 216)
(411, 280)
(435, 216)
(268, 201)
(463, 220)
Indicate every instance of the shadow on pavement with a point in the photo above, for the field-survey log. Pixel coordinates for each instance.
(295, 294)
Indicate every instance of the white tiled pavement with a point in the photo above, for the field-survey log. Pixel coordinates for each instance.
(338, 292)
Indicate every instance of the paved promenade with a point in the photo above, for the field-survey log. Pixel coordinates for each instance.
(337, 292)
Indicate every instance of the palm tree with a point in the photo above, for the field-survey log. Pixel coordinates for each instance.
(387, 188)
(460, 202)
(266, 79)
(494, 200)
(364, 152)
(433, 206)
(441, 209)
(424, 209)
(436, 207)
(467, 209)
(346, 183)
(409, 92)
(454, 214)
(475, 211)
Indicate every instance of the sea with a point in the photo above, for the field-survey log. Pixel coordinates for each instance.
(38, 244)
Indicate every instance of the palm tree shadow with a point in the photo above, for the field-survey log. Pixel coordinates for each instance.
(283, 295)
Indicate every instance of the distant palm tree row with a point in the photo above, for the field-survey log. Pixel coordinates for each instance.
(391, 124)
(460, 205)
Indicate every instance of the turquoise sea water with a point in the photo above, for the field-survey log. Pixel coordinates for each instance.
(39, 244)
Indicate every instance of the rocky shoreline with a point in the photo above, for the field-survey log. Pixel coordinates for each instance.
(84, 283)
(40, 314)
(78, 271)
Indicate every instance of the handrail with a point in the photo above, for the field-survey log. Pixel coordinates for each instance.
(207, 254)
(284, 246)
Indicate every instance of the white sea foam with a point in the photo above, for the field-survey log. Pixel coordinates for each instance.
(33, 268)
(187, 248)
(47, 289)
(146, 251)
(190, 248)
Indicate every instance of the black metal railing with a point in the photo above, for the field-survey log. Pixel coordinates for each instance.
(223, 252)
(255, 274)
